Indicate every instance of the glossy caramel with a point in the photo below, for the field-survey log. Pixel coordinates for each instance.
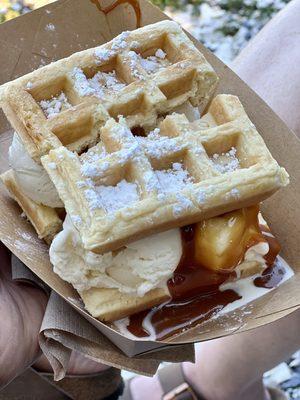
(194, 286)
(133, 3)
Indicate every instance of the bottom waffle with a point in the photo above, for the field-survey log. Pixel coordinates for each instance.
(110, 305)
(44, 219)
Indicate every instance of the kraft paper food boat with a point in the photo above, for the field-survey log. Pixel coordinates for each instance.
(27, 42)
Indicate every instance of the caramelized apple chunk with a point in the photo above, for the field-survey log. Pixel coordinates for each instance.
(221, 242)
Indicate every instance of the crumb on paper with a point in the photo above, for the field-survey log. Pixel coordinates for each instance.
(50, 27)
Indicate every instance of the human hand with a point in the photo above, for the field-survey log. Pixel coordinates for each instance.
(22, 308)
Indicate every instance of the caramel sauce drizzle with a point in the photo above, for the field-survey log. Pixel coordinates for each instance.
(194, 289)
(133, 3)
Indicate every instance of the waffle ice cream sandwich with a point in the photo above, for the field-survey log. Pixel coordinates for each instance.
(109, 139)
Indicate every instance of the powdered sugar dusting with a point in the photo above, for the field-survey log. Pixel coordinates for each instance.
(103, 54)
(81, 83)
(120, 41)
(226, 162)
(160, 54)
(157, 146)
(149, 64)
(113, 198)
(93, 155)
(184, 204)
(134, 65)
(29, 85)
(175, 179)
(106, 81)
(55, 105)
(99, 85)
(94, 170)
(233, 194)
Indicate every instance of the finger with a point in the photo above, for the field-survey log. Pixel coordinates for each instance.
(22, 309)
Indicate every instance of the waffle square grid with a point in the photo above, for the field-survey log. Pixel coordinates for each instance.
(127, 186)
(140, 75)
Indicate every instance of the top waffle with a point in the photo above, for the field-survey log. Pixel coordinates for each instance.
(130, 186)
(140, 75)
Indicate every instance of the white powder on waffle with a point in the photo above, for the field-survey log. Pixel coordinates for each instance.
(151, 181)
(98, 85)
(184, 204)
(201, 196)
(175, 179)
(134, 65)
(160, 54)
(120, 41)
(157, 146)
(55, 105)
(103, 54)
(94, 170)
(92, 165)
(134, 44)
(226, 162)
(29, 85)
(81, 83)
(115, 197)
(94, 155)
(149, 64)
(233, 193)
(105, 81)
(112, 198)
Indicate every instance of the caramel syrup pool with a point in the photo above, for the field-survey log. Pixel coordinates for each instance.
(195, 290)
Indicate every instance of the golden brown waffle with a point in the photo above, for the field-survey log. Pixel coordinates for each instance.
(44, 219)
(128, 187)
(110, 305)
(140, 74)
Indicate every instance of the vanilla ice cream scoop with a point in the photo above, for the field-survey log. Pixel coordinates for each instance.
(135, 269)
(32, 177)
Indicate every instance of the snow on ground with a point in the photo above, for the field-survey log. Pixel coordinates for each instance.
(225, 31)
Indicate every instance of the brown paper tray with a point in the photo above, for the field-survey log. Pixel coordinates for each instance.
(80, 24)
